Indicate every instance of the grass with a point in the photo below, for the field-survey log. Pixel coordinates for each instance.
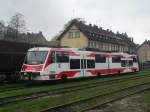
(143, 99)
(44, 102)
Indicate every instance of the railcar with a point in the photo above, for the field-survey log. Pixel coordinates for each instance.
(42, 63)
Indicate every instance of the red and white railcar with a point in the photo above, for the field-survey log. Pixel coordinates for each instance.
(59, 63)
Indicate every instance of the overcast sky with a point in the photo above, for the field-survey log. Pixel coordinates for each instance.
(50, 16)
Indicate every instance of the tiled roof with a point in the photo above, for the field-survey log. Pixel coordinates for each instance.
(96, 33)
(145, 42)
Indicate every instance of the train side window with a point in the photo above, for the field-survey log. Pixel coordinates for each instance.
(83, 63)
(130, 63)
(74, 63)
(100, 59)
(62, 57)
(116, 59)
(123, 63)
(52, 57)
(90, 64)
(134, 60)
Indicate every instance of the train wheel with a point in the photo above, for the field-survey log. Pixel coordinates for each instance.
(98, 74)
(64, 77)
(134, 70)
(119, 72)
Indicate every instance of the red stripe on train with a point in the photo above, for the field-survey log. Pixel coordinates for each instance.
(32, 67)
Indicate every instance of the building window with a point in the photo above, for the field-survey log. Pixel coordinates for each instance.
(106, 47)
(74, 34)
(109, 47)
(89, 44)
(102, 46)
(128, 49)
(99, 45)
(93, 34)
(94, 44)
(117, 49)
(121, 48)
(112, 47)
(77, 34)
(70, 34)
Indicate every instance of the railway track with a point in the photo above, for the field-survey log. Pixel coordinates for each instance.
(69, 89)
(12, 87)
(23, 85)
(127, 92)
(18, 86)
(83, 105)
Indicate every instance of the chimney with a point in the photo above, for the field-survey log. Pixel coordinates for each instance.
(100, 28)
(95, 26)
(107, 30)
(132, 39)
(90, 25)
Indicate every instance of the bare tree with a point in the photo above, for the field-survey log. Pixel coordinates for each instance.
(17, 23)
(2, 28)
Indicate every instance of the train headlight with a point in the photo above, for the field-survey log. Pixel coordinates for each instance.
(25, 73)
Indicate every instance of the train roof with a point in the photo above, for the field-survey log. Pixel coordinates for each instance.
(39, 49)
(79, 50)
(48, 48)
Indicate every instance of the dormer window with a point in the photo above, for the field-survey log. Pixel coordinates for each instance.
(70, 34)
(75, 34)
(93, 34)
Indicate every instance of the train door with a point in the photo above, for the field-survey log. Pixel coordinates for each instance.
(75, 64)
(83, 67)
(83, 64)
(88, 65)
(51, 65)
(108, 62)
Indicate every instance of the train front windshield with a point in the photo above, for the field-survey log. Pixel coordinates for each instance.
(36, 57)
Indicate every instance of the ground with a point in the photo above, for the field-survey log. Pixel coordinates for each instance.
(137, 103)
